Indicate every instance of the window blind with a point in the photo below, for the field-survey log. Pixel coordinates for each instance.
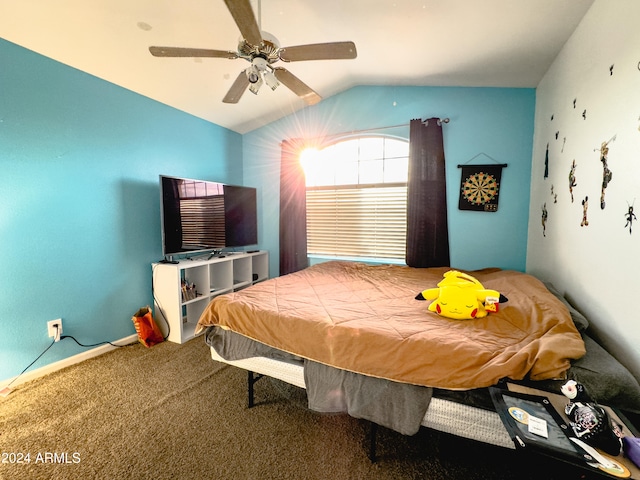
(359, 220)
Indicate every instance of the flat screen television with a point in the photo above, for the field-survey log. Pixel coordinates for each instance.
(205, 216)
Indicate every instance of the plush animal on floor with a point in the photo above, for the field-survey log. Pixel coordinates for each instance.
(590, 422)
(462, 297)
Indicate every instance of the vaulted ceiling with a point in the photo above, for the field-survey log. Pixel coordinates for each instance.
(498, 43)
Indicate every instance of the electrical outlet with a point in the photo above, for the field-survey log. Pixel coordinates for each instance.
(53, 331)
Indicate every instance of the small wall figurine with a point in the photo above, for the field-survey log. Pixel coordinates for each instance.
(630, 216)
(572, 178)
(546, 160)
(590, 422)
(606, 173)
(585, 208)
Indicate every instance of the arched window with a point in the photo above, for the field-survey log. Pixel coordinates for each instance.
(357, 198)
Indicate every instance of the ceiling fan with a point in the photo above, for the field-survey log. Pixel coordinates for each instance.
(262, 50)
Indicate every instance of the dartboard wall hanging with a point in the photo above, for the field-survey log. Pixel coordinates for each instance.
(480, 187)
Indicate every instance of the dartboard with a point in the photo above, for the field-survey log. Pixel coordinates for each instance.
(480, 188)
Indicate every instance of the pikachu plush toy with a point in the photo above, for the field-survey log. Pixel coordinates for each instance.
(462, 297)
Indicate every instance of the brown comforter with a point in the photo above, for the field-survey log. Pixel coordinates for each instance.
(365, 319)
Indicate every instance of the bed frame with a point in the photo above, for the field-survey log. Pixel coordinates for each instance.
(603, 376)
(442, 415)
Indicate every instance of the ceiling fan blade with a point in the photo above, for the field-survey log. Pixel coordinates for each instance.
(319, 51)
(191, 52)
(244, 17)
(296, 85)
(237, 89)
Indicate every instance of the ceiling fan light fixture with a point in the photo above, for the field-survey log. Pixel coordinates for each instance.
(253, 74)
(255, 79)
(271, 80)
(255, 87)
(261, 72)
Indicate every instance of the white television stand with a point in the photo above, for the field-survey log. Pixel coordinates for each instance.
(182, 307)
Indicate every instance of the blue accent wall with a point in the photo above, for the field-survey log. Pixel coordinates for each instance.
(494, 123)
(79, 201)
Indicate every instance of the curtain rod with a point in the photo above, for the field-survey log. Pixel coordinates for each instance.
(376, 129)
(426, 122)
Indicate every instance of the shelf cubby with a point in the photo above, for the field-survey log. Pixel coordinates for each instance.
(214, 276)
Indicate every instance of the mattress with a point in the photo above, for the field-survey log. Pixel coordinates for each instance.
(443, 415)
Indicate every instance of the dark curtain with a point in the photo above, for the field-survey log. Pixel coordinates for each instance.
(427, 230)
(293, 209)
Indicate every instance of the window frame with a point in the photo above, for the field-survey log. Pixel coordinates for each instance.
(375, 229)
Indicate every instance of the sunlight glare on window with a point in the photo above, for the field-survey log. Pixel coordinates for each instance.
(347, 173)
(396, 169)
(396, 149)
(371, 148)
(358, 161)
(372, 171)
(318, 168)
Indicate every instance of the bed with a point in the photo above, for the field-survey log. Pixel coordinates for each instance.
(354, 336)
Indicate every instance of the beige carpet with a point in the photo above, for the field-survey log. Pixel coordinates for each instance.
(172, 412)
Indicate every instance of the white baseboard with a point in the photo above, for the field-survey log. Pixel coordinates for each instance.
(66, 362)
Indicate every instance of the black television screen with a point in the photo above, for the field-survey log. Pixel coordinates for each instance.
(199, 215)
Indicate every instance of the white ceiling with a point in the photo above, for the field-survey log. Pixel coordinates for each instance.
(501, 43)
